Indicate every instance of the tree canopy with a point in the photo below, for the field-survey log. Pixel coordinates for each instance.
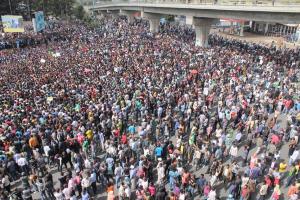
(9, 7)
(50, 7)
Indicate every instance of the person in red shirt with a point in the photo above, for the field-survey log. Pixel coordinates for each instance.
(6, 146)
(268, 181)
(293, 189)
(152, 190)
(287, 105)
(245, 194)
(185, 178)
(117, 133)
(124, 139)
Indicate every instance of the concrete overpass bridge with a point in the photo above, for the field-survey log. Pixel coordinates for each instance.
(202, 15)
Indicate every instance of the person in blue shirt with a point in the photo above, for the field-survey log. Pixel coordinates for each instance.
(201, 181)
(173, 175)
(131, 129)
(297, 106)
(85, 195)
(158, 152)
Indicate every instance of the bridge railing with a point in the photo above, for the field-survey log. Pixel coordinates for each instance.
(208, 2)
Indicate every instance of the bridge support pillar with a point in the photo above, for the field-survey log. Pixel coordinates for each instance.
(130, 18)
(242, 29)
(202, 29)
(266, 28)
(154, 20)
(189, 20)
(154, 25)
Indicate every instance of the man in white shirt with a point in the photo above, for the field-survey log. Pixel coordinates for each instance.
(263, 191)
(181, 196)
(197, 156)
(121, 191)
(118, 174)
(294, 157)
(67, 192)
(245, 180)
(127, 191)
(111, 150)
(102, 140)
(144, 183)
(233, 152)
(87, 164)
(58, 195)
(146, 151)
(160, 173)
(46, 150)
(17, 156)
(86, 183)
(294, 197)
(23, 164)
(212, 195)
(93, 180)
(6, 183)
(238, 136)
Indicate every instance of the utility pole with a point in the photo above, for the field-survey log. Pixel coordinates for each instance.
(29, 8)
(93, 8)
(44, 8)
(10, 6)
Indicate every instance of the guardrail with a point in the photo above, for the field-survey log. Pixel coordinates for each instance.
(209, 2)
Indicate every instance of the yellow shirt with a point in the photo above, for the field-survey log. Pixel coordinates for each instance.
(297, 169)
(89, 134)
(282, 167)
(298, 116)
(181, 149)
(91, 116)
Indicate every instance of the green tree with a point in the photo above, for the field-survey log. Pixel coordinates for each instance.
(170, 18)
(9, 7)
(53, 7)
(79, 12)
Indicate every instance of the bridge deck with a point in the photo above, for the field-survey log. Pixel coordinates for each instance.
(281, 14)
(242, 5)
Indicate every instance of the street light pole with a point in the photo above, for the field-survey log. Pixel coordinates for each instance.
(93, 8)
(29, 9)
(10, 6)
(44, 7)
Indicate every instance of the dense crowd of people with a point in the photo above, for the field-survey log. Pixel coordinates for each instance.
(52, 32)
(124, 113)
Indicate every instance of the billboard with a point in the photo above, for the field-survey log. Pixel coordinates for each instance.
(39, 21)
(12, 23)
